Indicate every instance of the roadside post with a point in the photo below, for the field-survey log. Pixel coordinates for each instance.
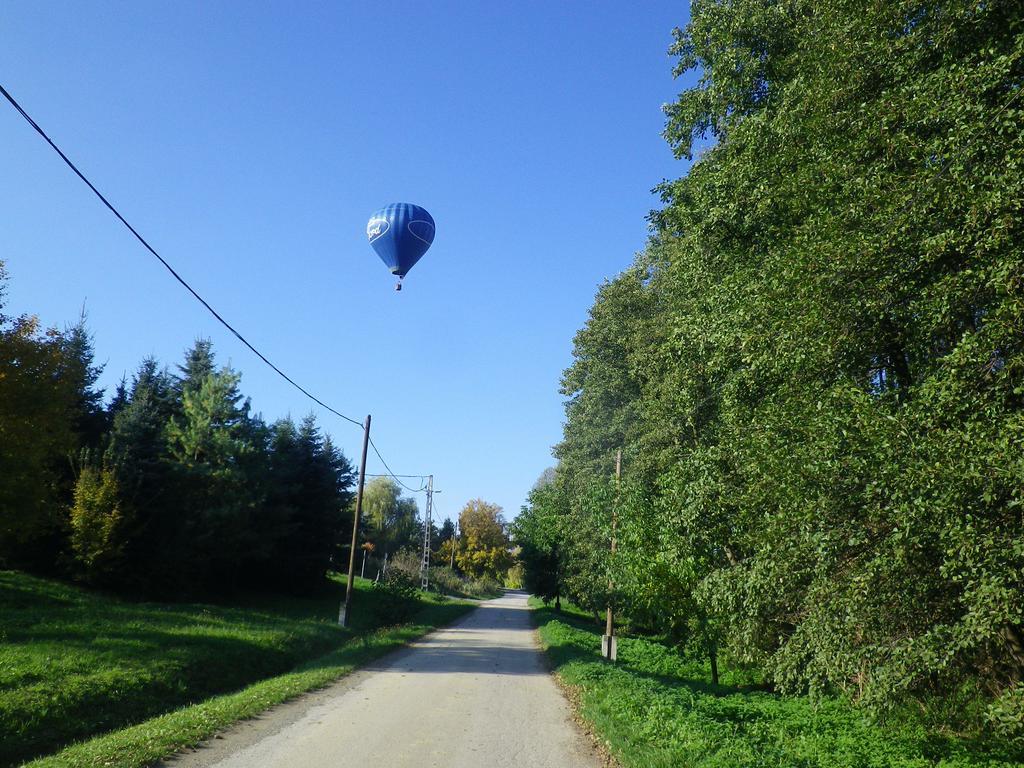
(609, 644)
(343, 612)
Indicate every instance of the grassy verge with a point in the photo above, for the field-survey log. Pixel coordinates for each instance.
(654, 710)
(74, 664)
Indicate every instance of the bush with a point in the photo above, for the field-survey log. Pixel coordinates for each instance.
(449, 582)
(98, 524)
(484, 586)
(515, 577)
(1006, 714)
(394, 597)
(407, 563)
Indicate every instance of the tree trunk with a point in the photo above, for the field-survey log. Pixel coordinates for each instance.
(713, 655)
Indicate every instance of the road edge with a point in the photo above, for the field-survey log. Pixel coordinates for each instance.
(155, 740)
(574, 696)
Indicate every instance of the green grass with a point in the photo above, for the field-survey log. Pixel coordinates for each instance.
(74, 664)
(655, 709)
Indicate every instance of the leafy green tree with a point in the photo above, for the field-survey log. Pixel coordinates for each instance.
(813, 369)
(46, 380)
(392, 520)
(36, 441)
(840, 308)
(537, 533)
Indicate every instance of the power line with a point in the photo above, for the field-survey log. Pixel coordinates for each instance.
(422, 479)
(386, 474)
(396, 477)
(163, 261)
(192, 290)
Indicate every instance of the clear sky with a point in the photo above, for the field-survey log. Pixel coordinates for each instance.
(249, 142)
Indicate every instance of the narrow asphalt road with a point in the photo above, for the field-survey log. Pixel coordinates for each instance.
(473, 695)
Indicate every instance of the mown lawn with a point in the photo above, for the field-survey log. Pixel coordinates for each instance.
(655, 709)
(74, 663)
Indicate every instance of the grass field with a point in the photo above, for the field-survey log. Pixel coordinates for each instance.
(74, 664)
(655, 709)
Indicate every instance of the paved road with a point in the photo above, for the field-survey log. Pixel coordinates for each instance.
(473, 695)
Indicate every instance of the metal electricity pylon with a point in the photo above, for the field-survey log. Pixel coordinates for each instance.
(427, 522)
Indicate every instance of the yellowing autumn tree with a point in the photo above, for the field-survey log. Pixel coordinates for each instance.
(484, 545)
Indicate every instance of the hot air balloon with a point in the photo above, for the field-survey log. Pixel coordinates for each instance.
(400, 233)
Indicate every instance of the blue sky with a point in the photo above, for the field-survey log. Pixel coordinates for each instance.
(249, 142)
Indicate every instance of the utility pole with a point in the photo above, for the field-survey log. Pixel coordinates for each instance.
(343, 612)
(609, 647)
(454, 542)
(427, 522)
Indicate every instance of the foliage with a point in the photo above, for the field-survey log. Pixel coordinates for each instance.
(406, 562)
(813, 369)
(174, 489)
(514, 576)
(447, 581)
(483, 587)
(483, 547)
(394, 596)
(445, 533)
(45, 393)
(656, 708)
(99, 527)
(445, 554)
(536, 533)
(392, 520)
(308, 492)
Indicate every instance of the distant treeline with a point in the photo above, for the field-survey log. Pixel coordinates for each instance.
(172, 489)
(815, 369)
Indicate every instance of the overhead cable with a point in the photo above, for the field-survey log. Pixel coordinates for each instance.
(169, 268)
(188, 287)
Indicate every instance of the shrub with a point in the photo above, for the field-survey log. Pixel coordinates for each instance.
(98, 524)
(394, 597)
(515, 576)
(407, 563)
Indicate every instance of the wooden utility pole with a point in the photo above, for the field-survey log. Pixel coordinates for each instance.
(343, 613)
(608, 644)
(454, 541)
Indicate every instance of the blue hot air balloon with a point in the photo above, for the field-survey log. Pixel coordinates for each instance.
(400, 233)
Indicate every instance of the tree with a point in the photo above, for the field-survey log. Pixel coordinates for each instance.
(216, 460)
(41, 401)
(446, 532)
(137, 447)
(99, 525)
(309, 492)
(80, 373)
(484, 545)
(392, 520)
(537, 533)
(37, 442)
(813, 368)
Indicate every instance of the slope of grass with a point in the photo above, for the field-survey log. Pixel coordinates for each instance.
(74, 664)
(655, 710)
